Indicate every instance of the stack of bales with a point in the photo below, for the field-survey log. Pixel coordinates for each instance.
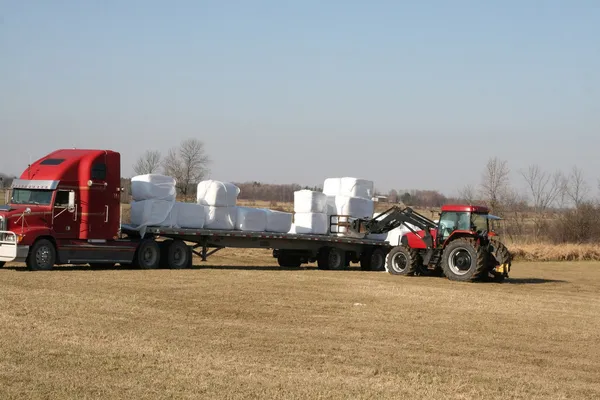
(348, 198)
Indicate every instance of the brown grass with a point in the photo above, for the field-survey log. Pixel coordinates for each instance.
(262, 332)
(555, 252)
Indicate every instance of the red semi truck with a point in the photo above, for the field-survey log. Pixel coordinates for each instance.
(66, 209)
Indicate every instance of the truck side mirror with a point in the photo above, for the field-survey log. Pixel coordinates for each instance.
(71, 205)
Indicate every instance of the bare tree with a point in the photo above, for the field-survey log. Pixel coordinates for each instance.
(148, 163)
(576, 188)
(188, 164)
(393, 196)
(544, 188)
(494, 182)
(467, 194)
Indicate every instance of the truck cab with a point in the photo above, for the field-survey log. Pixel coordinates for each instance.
(62, 206)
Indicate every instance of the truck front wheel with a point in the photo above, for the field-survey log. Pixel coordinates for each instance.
(42, 256)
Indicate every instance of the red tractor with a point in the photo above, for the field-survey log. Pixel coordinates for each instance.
(462, 245)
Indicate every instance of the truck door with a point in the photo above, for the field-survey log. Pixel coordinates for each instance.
(64, 223)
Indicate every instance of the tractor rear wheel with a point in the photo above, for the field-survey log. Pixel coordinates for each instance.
(465, 260)
(402, 260)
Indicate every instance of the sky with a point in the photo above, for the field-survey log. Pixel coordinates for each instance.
(412, 95)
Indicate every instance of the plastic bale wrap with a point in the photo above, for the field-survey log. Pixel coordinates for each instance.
(220, 218)
(190, 215)
(279, 221)
(355, 207)
(160, 213)
(217, 194)
(153, 187)
(311, 223)
(251, 219)
(308, 201)
(356, 187)
(332, 186)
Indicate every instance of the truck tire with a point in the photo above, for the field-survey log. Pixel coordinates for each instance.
(465, 260)
(178, 254)
(331, 258)
(2, 263)
(373, 260)
(147, 255)
(42, 256)
(402, 260)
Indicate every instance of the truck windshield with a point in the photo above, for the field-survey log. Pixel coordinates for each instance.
(31, 196)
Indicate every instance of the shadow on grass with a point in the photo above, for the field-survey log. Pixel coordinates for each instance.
(22, 268)
(532, 281)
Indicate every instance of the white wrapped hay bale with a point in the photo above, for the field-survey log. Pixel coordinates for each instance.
(220, 218)
(356, 187)
(332, 186)
(311, 223)
(153, 187)
(251, 219)
(217, 194)
(190, 215)
(356, 207)
(279, 221)
(146, 213)
(308, 201)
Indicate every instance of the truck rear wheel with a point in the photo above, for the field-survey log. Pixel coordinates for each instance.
(178, 254)
(373, 260)
(402, 260)
(147, 255)
(42, 256)
(2, 263)
(331, 258)
(465, 260)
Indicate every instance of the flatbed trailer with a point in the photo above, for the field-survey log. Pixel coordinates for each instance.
(290, 249)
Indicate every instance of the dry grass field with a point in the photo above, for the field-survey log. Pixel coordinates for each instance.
(239, 327)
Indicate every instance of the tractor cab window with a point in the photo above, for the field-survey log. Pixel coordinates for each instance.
(62, 199)
(480, 222)
(451, 221)
(98, 172)
(31, 196)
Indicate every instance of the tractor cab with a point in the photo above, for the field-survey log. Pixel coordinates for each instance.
(472, 220)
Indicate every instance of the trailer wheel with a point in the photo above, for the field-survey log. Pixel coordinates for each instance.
(147, 255)
(373, 260)
(331, 258)
(2, 263)
(42, 256)
(178, 254)
(288, 261)
(402, 260)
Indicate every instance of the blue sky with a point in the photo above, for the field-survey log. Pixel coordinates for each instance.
(409, 94)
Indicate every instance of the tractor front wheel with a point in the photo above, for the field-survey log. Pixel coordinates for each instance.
(464, 260)
(402, 260)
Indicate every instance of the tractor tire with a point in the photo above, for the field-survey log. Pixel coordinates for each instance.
(402, 260)
(42, 256)
(331, 258)
(178, 255)
(465, 260)
(373, 260)
(147, 255)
